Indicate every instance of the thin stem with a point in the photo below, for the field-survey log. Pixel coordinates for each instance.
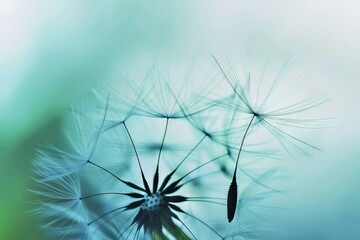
(192, 150)
(175, 185)
(112, 174)
(156, 176)
(242, 143)
(206, 201)
(132, 195)
(204, 223)
(186, 227)
(213, 198)
(101, 194)
(105, 214)
(168, 177)
(132, 185)
(163, 140)
(202, 165)
(199, 177)
(146, 185)
(132, 229)
(122, 233)
(133, 145)
(233, 192)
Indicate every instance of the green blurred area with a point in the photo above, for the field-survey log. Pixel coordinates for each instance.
(15, 220)
(51, 55)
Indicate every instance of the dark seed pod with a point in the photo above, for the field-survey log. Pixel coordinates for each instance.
(232, 200)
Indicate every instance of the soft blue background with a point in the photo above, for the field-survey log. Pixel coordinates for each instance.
(51, 52)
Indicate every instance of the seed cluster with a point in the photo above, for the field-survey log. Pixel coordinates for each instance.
(152, 202)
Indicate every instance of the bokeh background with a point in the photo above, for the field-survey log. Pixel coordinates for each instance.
(52, 52)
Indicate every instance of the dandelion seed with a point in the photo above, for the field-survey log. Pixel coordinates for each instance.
(269, 119)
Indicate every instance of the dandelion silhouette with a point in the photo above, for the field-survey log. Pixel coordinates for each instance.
(151, 208)
(109, 185)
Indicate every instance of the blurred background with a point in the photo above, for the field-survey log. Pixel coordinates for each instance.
(52, 52)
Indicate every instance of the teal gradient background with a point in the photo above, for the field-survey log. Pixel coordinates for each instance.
(52, 52)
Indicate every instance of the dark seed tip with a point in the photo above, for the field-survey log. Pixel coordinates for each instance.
(232, 200)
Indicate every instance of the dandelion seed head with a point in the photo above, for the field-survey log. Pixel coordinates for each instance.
(152, 202)
(146, 158)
